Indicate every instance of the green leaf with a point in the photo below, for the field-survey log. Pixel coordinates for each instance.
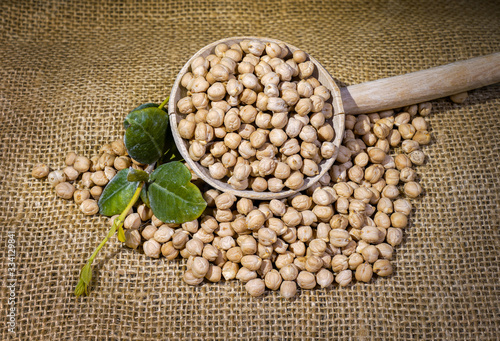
(145, 134)
(117, 194)
(144, 195)
(86, 275)
(137, 175)
(121, 234)
(171, 153)
(173, 198)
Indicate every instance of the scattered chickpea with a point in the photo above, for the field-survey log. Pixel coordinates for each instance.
(40, 171)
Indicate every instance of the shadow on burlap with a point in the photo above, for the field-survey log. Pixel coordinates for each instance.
(70, 72)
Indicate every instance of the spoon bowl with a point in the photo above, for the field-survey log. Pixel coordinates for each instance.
(337, 121)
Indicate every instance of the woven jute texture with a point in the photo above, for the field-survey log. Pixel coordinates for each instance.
(71, 70)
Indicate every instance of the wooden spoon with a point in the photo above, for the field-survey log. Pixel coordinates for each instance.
(368, 97)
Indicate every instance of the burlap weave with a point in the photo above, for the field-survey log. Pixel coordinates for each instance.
(71, 70)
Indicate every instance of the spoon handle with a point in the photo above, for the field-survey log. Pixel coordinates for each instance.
(421, 86)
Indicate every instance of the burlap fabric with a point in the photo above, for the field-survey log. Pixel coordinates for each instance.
(71, 70)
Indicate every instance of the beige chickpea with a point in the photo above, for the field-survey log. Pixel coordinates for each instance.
(364, 272)
(234, 254)
(285, 71)
(382, 267)
(295, 161)
(169, 251)
(277, 226)
(262, 68)
(217, 170)
(327, 150)
(225, 201)
(304, 106)
(258, 184)
(409, 146)
(417, 157)
(71, 173)
(230, 270)
(399, 220)
(402, 206)
(132, 221)
(96, 192)
(402, 118)
(306, 69)
(344, 277)
(81, 164)
(185, 105)
(149, 231)
(70, 159)
(339, 263)
(370, 253)
(277, 105)
(215, 117)
(56, 177)
(251, 262)
(246, 275)
(305, 233)
(288, 289)
(244, 206)
(425, 108)
(317, 103)
(258, 138)
(152, 248)
(232, 140)
(382, 219)
(255, 287)
(40, 171)
(210, 252)
(394, 236)
(407, 174)
(255, 220)
(322, 197)
(179, 239)
(273, 280)
(324, 278)
(385, 205)
(295, 181)
(65, 190)
(406, 130)
(291, 217)
(355, 259)
(248, 244)
(294, 127)
(390, 191)
(246, 150)
(266, 236)
(385, 250)
(298, 248)
(339, 237)
(238, 184)
(412, 189)
(370, 234)
(356, 174)
(190, 279)
(326, 132)
(213, 274)
(81, 195)
(278, 137)
(306, 280)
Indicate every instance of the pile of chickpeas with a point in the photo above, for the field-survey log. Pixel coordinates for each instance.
(343, 228)
(83, 179)
(256, 117)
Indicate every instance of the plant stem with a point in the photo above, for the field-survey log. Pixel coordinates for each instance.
(86, 272)
(164, 102)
